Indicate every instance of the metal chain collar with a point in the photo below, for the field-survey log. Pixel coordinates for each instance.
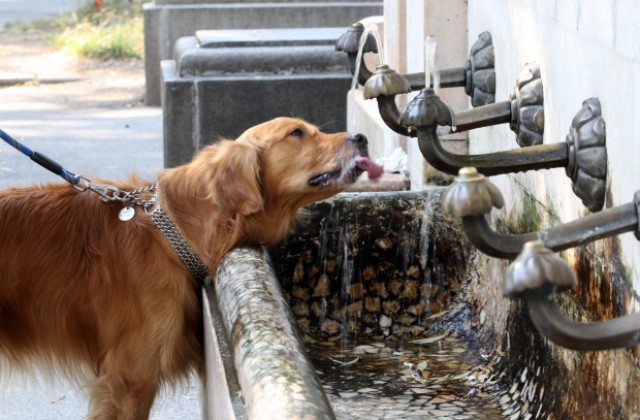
(129, 199)
(188, 257)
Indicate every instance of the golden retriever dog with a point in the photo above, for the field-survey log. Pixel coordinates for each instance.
(109, 302)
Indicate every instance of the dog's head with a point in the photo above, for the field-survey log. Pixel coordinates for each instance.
(273, 169)
(283, 162)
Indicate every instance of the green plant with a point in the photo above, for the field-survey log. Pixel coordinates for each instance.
(529, 219)
(114, 31)
(123, 40)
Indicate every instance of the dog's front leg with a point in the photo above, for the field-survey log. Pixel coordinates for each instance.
(122, 392)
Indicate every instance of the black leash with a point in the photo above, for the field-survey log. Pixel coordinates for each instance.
(79, 182)
(43, 160)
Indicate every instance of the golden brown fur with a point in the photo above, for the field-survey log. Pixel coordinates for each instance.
(84, 292)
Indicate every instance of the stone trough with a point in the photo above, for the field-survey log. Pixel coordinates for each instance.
(361, 313)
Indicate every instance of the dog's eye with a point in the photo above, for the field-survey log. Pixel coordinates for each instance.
(296, 133)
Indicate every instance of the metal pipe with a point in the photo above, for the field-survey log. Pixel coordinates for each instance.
(490, 242)
(386, 83)
(477, 76)
(583, 154)
(609, 222)
(621, 332)
(483, 116)
(523, 111)
(449, 78)
(536, 275)
(471, 197)
(390, 114)
(544, 156)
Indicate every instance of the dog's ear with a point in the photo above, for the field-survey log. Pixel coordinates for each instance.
(235, 177)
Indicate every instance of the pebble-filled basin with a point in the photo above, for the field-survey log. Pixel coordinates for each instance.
(375, 282)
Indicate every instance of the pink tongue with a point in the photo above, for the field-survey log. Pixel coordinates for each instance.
(374, 170)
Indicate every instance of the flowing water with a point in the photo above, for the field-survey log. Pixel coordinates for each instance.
(368, 30)
(430, 70)
(374, 284)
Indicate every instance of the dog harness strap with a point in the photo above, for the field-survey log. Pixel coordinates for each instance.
(170, 231)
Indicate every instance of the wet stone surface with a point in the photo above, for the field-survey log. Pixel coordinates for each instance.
(376, 264)
(375, 283)
(442, 379)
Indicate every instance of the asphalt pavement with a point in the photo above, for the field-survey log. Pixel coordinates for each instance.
(27, 10)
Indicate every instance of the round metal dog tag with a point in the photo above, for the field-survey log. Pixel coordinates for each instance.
(126, 214)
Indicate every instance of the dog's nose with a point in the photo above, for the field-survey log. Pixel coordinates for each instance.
(358, 139)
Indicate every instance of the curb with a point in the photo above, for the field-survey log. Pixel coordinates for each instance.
(20, 80)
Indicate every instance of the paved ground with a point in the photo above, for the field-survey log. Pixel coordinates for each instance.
(97, 127)
(26, 10)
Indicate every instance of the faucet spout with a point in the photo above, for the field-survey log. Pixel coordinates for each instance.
(384, 86)
(617, 333)
(535, 276)
(477, 75)
(544, 156)
(464, 195)
(349, 42)
(523, 111)
(596, 226)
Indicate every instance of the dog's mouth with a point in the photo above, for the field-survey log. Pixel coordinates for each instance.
(348, 173)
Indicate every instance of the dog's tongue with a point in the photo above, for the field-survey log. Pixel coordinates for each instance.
(373, 169)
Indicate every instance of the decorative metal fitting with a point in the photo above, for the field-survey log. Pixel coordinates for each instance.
(477, 75)
(471, 197)
(524, 111)
(349, 42)
(386, 82)
(587, 165)
(385, 85)
(536, 265)
(584, 154)
(535, 276)
(480, 74)
(527, 110)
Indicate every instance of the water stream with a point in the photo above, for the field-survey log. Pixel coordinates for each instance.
(372, 30)
(374, 283)
(430, 70)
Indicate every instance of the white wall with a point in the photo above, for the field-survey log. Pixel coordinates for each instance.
(585, 48)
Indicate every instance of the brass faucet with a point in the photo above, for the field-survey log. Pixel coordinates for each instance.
(471, 197)
(477, 76)
(535, 276)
